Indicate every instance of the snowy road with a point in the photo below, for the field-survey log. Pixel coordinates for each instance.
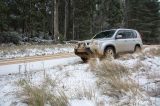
(23, 65)
(34, 58)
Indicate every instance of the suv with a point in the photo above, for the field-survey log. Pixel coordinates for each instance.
(109, 43)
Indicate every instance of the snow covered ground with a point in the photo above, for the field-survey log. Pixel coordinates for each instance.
(12, 51)
(79, 82)
(33, 66)
(75, 80)
(145, 72)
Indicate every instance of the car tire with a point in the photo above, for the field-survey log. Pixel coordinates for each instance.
(84, 59)
(137, 49)
(109, 53)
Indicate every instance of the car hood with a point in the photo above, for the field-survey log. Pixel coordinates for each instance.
(103, 39)
(95, 40)
(85, 41)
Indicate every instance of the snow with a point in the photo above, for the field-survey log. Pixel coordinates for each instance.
(146, 76)
(79, 83)
(82, 103)
(39, 65)
(34, 51)
(75, 80)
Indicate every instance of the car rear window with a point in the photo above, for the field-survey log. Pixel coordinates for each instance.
(134, 34)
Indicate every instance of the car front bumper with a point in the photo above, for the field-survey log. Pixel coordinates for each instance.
(83, 52)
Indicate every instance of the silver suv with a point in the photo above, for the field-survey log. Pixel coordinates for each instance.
(109, 43)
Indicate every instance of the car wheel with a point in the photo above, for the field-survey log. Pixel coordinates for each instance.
(109, 53)
(84, 59)
(137, 49)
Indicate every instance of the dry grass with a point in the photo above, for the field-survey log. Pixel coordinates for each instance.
(139, 65)
(108, 68)
(96, 53)
(88, 94)
(14, 49)
(43, 94)
(30, 46)
(148, 51)
(117, 76)
(114, 80)
(155, 75)
(152, 51)
(126, 56)
(139, 55)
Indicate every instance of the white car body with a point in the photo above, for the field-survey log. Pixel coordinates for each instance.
(123, 40)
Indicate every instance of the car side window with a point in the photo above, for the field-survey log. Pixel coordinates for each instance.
(121, 32)
(126, 34)
(129, 34)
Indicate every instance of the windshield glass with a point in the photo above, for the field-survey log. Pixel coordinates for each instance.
(105, 34)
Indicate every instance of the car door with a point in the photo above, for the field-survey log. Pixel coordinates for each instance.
(130, 40)
(121, 43)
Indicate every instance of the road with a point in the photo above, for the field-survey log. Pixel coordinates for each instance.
(35, 58)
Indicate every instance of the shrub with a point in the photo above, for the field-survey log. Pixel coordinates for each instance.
(152, 51)
(10, 37)
(42, 95)
(114, 81)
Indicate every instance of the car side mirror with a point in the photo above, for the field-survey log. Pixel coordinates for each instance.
(118, 36)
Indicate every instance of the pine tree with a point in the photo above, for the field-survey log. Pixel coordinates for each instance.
(108, 14)
(3, 15)
(144, 16)
(82, 18)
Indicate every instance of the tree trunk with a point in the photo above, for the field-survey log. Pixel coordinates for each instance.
(125, 12)
(30, 20)
(66, 19)
(122, 6)
(1, 26)
(73, 30)
(52, 20)
(56, 21)
(44, 19)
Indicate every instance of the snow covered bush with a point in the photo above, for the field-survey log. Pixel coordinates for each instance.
(13, 51)
(152, 51)
(42, 95)
(115, 81)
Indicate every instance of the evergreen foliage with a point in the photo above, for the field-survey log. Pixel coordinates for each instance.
(82, 19)
(144, 15)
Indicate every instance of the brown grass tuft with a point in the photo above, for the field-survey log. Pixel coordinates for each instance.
(152, 51)
(42, 94)
(114, 79)
(88, 94)
(138, 66)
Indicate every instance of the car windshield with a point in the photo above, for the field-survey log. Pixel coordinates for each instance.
(104, 34)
